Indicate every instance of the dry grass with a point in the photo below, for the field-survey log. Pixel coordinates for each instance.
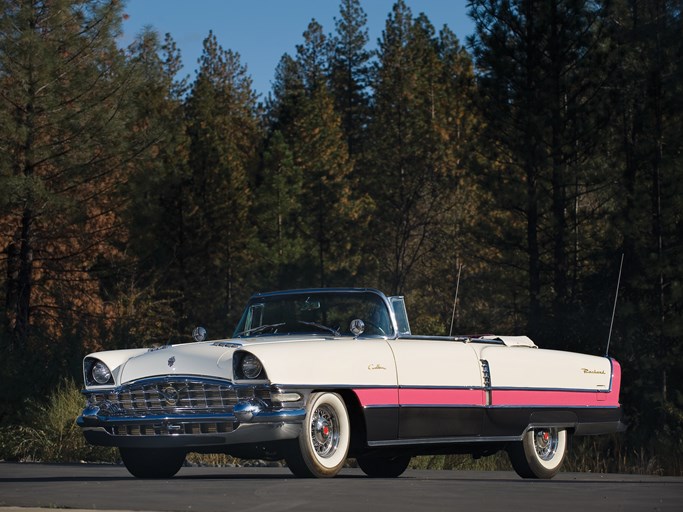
(50, 433)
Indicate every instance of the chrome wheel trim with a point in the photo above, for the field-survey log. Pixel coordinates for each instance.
(324, 429)
(546, 442)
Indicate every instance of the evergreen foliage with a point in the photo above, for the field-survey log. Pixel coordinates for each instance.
(68, 143)
(135, 204)
(224, 132)
(349, 71)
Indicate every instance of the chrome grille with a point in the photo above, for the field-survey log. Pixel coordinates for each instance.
(173, 396)
(166, 428)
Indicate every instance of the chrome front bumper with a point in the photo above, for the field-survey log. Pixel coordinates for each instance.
(250, 422)
(177, 411)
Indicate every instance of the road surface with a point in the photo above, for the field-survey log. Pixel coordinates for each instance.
(110, 487)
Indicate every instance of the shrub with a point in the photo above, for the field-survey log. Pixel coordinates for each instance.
(50, 434)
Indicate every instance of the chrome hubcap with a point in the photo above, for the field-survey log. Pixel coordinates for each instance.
(324, 431)
(545, 442)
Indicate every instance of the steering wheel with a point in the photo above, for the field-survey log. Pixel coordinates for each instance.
(377, 327)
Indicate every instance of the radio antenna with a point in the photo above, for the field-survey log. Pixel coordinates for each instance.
(455, 300)
(614, 309)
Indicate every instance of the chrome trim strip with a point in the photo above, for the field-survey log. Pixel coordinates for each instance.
(243, 412)
(255, 411)
(468, 388)
(445, 440)
(553, 407)
(442, 406)
(477, 406)
(87, 419)
(162, 378)
(554, 390)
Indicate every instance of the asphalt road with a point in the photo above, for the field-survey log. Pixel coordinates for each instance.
(109, 487)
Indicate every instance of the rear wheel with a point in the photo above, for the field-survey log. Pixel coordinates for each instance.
(383, 467)
(152, 462)
(540, 453)
(321, 449)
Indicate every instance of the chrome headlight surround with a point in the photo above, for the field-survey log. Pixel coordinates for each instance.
(248, 367)
(96, 373)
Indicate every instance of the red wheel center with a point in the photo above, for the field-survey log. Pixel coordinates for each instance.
(326, 431)
(546, 436)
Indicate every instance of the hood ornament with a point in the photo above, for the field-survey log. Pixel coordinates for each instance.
(171, 361)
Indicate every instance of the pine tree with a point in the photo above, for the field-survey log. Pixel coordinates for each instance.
(648, 190)
(224, 135)
(415, 147)
(66, 143)
(279, 212)
(288, 95)
(152, 305)
(542, 77)
(312, 57)
(349, 72)
(328, 205)
(332, 206)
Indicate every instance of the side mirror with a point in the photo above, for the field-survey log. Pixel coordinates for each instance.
(199, 334)
(357, 327)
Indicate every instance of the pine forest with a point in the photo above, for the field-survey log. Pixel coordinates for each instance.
(522, 164)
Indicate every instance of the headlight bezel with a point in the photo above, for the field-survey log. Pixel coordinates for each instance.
(248, 367)
(105, 376)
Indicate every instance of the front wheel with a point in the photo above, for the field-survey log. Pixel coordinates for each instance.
(152, 462)
(321, 449)
(540, 453)
(383, 467)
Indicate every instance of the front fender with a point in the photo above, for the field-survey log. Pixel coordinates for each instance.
(328, 363)
(115, 360)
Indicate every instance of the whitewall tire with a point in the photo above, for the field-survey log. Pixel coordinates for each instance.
(323, 445)
(540, 454)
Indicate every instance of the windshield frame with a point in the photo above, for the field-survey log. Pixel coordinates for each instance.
(258, 301)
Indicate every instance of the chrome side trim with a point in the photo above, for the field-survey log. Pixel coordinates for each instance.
(255, 411)
(445, 440)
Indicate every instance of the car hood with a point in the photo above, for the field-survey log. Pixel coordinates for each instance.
(206, 359)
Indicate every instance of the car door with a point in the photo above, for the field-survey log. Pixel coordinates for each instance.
(441, 391)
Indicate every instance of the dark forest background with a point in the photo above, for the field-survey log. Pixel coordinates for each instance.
(135, 204)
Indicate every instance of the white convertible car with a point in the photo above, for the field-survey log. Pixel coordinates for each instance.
(316, 376)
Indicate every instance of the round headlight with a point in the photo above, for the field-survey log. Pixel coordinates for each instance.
(101, 373)
(251, 367)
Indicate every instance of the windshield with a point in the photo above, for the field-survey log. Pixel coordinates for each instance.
(327, 313)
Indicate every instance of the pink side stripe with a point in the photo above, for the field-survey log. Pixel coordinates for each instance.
(442, 397)
(511, 397)
(393, 396)
(377, 396)
(499, 397)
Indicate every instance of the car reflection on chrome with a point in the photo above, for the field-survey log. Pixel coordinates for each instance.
(320, 375)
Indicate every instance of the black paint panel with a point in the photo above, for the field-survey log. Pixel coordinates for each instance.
(507, 421)
(420, 422)
(390, 423)
(381, 423)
